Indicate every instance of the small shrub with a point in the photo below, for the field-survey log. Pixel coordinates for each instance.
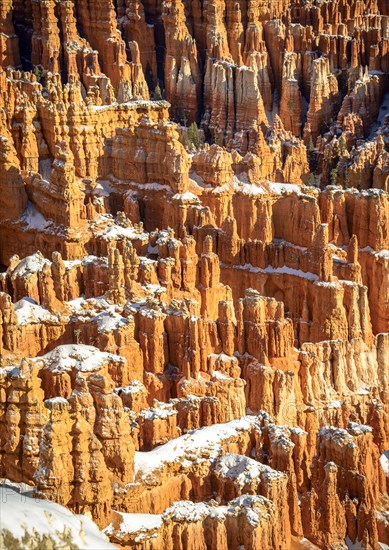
(290, 105)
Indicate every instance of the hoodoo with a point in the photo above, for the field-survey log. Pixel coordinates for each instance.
(194, 274)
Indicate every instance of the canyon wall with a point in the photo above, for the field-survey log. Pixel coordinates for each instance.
(194, 260)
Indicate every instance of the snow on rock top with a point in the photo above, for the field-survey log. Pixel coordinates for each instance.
(279, 188)
(188, 196)
(383, 254)
(28, 311)
(109, 320)
(244, 470)
(107, 229)
(30, 264)
(57, 400)
(186, 449)
(21, 514)
(99, 311)
(282, 270)
(187, 511)
(358, 429)
(247, 188)
(337, 435)
(135, 387)
(144, 525)
(254, 507)
(79, 356)
(280, 436)
(160, 410)
(219, 375)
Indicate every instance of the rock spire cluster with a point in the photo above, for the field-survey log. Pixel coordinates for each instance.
(194, 268)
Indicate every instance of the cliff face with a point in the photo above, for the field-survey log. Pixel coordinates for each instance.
(194, 295)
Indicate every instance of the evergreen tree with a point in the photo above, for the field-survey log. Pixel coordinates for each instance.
(158, 93)
(334, 176)
(342, 145)
(193, 136)
(311, 154)
(347, 182)
(215, 137)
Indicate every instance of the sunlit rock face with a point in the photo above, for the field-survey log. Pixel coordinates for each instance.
(194, 259)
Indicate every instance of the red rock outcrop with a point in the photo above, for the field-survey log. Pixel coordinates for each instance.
(13, 192)
(194, 315)
(182, 71)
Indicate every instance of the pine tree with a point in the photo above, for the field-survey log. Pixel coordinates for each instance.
(342, 145)
(347, 183)
(215, 137)
(193, 136)
(334, 176)
(311, 154)
(158, 93)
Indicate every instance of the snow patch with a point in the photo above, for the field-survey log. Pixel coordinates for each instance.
(141, 524)
(30, 264)
(280, 188)
(384, 110)
(34, 219)
(135, 387)
(283, 270)
(161, 411)
(20, 514)
(209, 439)
(188, 196)
(244, 470)
(384, 459)
(77, 356)
(383, 254)
(28, 311)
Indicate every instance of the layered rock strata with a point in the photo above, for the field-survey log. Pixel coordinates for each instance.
(194, 290)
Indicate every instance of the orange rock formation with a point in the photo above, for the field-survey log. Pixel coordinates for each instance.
(194, 268)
